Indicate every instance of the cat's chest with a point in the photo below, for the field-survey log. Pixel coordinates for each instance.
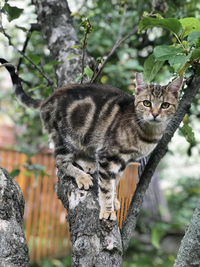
(137, 151)
(134, 146)
(144, 148)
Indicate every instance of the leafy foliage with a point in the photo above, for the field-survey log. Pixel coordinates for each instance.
(12, 12)
(187, 131)
(170, 24)
(182, 201)
(146, 256)
(182, 53)
(151, 67)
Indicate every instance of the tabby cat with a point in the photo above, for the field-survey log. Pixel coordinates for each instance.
(104, 123)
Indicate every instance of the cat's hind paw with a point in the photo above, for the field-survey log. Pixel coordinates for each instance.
(84, 181)
(107, 215)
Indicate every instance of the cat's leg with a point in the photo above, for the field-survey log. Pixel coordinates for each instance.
(116, 201)
(106, 198)
(108, 176)
(65, 162)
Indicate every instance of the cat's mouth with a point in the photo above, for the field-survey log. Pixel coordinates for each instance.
(154, 121)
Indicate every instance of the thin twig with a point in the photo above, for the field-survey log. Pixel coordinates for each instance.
(89, 26)
(24, 49)
(30, 84)
(34, 27)
(116, 45)
(50, 82)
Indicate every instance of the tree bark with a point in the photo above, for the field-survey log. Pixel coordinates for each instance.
(55, 19)
(13, 248)
(94, 242)
(189, 251)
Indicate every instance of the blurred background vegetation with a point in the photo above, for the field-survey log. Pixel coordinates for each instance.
(179, 170)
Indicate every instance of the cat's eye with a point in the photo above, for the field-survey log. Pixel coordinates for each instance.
(165, 105)
(147, 103)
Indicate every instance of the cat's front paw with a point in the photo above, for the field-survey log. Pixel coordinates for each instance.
(116, 204)
(84, 180)
(107, 215)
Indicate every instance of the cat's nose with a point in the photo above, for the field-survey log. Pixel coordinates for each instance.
(155, 114)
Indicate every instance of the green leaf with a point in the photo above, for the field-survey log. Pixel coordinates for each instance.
(88, 72)
(156, 235)
(164, 52)
(35, 58)
(170, 24)
(189, 25)
(187, 132)
(151, 68)
(12, 12)
(175, 56)
(193, 36)
(14, 173)
(178, 61)
(195, 53)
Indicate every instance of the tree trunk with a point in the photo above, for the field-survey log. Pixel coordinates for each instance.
(13, 248)
(189, 252)
(55, 19)
(94, 242)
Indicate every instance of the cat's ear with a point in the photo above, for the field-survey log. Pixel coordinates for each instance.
(140, 83)
(175, 86)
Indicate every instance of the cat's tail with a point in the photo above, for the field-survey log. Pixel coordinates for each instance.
(19, 92)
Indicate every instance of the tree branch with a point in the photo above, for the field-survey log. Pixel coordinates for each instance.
(188, 254)
(50, 82)
(34, 27)
(116, 45)
(94, 242)
(136, 203)
(57, 27)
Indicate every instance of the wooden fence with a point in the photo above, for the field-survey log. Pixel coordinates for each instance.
(45, 226)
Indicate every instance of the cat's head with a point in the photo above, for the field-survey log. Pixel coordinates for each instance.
(156, 104)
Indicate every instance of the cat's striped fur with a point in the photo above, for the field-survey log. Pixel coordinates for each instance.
(106, 124)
